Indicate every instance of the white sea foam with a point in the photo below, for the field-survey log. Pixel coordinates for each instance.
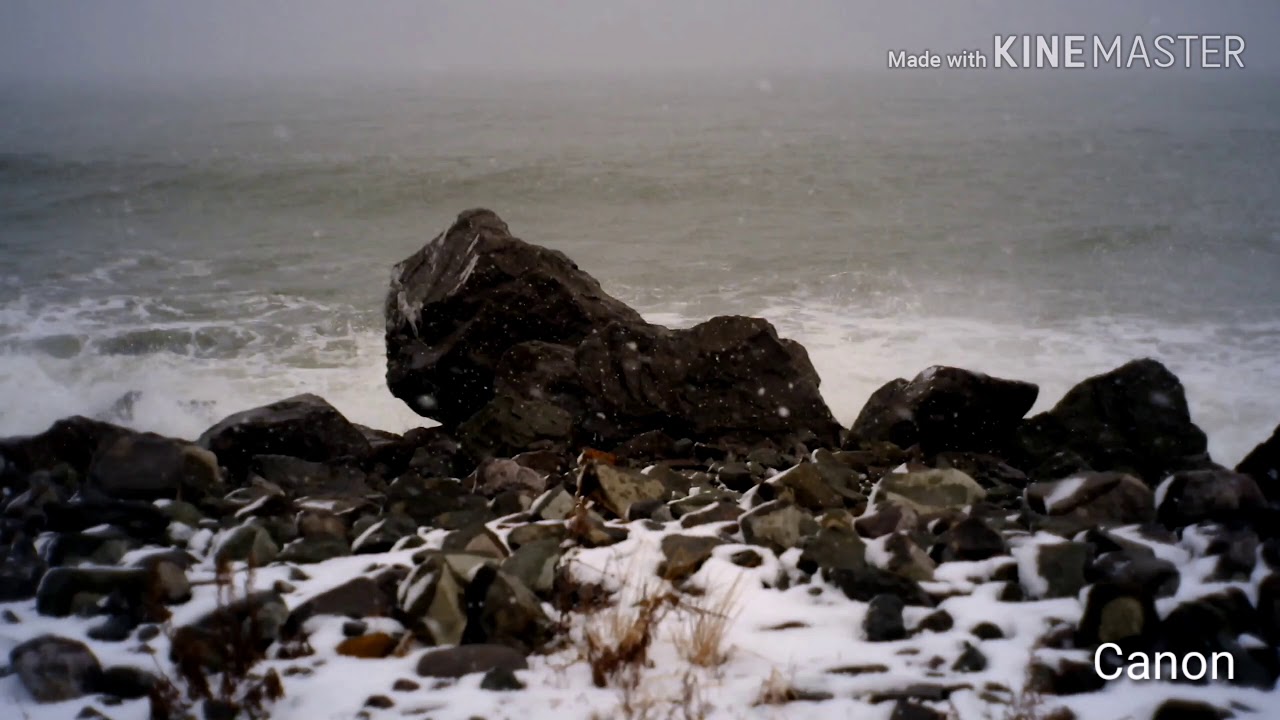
(208, 369)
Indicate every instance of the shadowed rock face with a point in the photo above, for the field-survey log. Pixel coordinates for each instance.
(458, 304)
(303, 426)
(1131, 419)
(946, 408)
(515, 344)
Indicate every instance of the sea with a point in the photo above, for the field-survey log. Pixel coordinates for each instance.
(175, 250)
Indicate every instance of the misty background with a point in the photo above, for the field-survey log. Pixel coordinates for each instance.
(158, 38)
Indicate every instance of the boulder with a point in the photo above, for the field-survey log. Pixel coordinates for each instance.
(140, 520)
(806, 486)
(458, 598)
(832, 548)
(946, 408)
(145, 466)
(908, 559)
(865, 582)
(456, 662)
(683, 555)
(54, 669)
(728, 377)
(1059, 569)
(970, 539)
(617, 489)
(1116, 614)
(1092, 500)
(357, 598)
(425, 499)
(303, 426)
(496, 476)
(299, 478)
(312, 550)
(514, 346)
(883, 621)
(534, 564)
(1193, 496)
(1263, 465)
(458, 304)
(73, 441)
(931, 490)
(1132, 419)
(777, 525)
(248, 543)
(1137, 568)
(139, 590)
(21, 569)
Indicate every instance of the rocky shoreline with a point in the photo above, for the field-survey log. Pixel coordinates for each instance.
(618, 519)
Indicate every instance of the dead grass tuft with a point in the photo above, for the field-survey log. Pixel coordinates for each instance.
(701, 638)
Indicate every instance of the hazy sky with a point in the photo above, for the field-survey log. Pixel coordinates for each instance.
(74, 38)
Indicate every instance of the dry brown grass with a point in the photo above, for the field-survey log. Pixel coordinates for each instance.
(618, 639)
(237, 688)
(776, 690)
(702, 636)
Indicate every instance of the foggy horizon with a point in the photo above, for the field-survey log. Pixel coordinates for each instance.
(61, 40)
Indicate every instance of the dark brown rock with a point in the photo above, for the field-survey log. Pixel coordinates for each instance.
(1263, 465)
(947, 408)
(1132, 419)
(303, 426)
(457, 305)
(730, 376)
(454, 662)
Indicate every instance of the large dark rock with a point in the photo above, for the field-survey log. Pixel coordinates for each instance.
(73, 440)
(1091, 500)
(21, 568)
(139, 590)
(728, 377)
(55, 668)
(142, 521)
(947, 408)
(516, 347)
(145, 466)
(457, 305)
(1263, 465)
(462, 660)
(357, 598)
(1131, 419)
(303, 426)
(1194, 496)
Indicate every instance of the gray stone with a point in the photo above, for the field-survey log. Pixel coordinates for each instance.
(683, 555)
(831, 548)
(616, 489)
(1062, 566)
(883, 621)
(312, 550)
(456, 662)
(248, 543)
(805, 486)
(534, 564)
(777, 525)
(137, 588)
(929, 490)
(54, 669)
